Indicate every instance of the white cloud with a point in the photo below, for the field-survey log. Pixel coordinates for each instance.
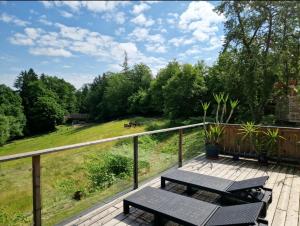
(158, 48)
(201, 20)
(137, 9)
(118, 17)
(74, 33)
(143, 21)
(71, 41)
(21, 39)
(215, 43)
(181, 41)
(120, 31)
(66, 14)
(6, 18)
(142, 34)
(94, 6)
(43, 20)
(50, 52)
(173, 15)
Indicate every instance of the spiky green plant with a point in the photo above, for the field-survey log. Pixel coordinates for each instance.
(249, 131)
(205, 107)
(272, 139)
(218, 98)
(225, 99)
(233, 105)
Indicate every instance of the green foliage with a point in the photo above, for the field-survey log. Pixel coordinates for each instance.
(119, 165)
(116, 94)
(64, 92)
(157, 85)
(105, 169)
(46, 114)
(261, 48)
(272, 139)
(268, 120)
(11, 108)
(4, 129)
(214, 134)
(183, 91)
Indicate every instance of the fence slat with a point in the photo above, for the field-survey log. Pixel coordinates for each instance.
(36, 188)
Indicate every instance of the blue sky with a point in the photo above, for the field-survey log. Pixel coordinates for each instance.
(80, 40)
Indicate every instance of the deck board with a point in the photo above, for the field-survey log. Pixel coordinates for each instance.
(285, 182)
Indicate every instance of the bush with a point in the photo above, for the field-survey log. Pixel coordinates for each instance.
(104, 170)
(268, 120)
(119, 165)
(4, 129)
(99, 175)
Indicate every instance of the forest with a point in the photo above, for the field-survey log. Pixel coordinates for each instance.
(259, 60)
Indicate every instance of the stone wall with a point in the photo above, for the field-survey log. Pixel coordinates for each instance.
(288, 109)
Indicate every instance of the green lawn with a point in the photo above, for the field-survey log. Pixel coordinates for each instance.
(65, 172)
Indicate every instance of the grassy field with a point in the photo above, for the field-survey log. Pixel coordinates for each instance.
(66, 172)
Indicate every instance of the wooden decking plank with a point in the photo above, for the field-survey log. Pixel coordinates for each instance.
(285, 191)
(292, 216)
(276, 194)
(279, 218)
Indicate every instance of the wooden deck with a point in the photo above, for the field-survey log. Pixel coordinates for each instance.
(285, 182)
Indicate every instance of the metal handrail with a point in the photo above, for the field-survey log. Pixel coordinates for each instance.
(84, 144)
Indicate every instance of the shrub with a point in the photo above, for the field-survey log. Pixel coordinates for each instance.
(4, 129)
(103, 170)
(119, 165)
(99, 175)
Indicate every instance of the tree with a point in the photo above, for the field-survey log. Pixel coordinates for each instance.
(65, 93)
(255, 31)
(139, 102)
(157, 85)
(95, 93)
(11, 108)
(141, 76)
(116, 94)
(184, 91)
(4, 129)
(22, 82)
(125, 67)
(46, 114)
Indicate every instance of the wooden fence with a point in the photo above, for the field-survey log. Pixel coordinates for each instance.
(288, 150)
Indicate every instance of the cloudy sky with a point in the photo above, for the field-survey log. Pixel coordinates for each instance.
(79, 40)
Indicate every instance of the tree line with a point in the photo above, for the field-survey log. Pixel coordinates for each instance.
(261, 50)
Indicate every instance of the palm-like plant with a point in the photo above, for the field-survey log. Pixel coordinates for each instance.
(205, 107)
(218, 98)
(233, 105)
(249, 131)
(272, 139)
(213, 135)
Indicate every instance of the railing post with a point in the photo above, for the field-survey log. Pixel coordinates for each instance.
(135, 162)
(180, 148)
(36, 190)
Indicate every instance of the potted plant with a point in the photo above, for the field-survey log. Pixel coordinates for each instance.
(249, 133)
(262, 142)
(272, 138)
(237, 150)
(212, 141)
(213, 133)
